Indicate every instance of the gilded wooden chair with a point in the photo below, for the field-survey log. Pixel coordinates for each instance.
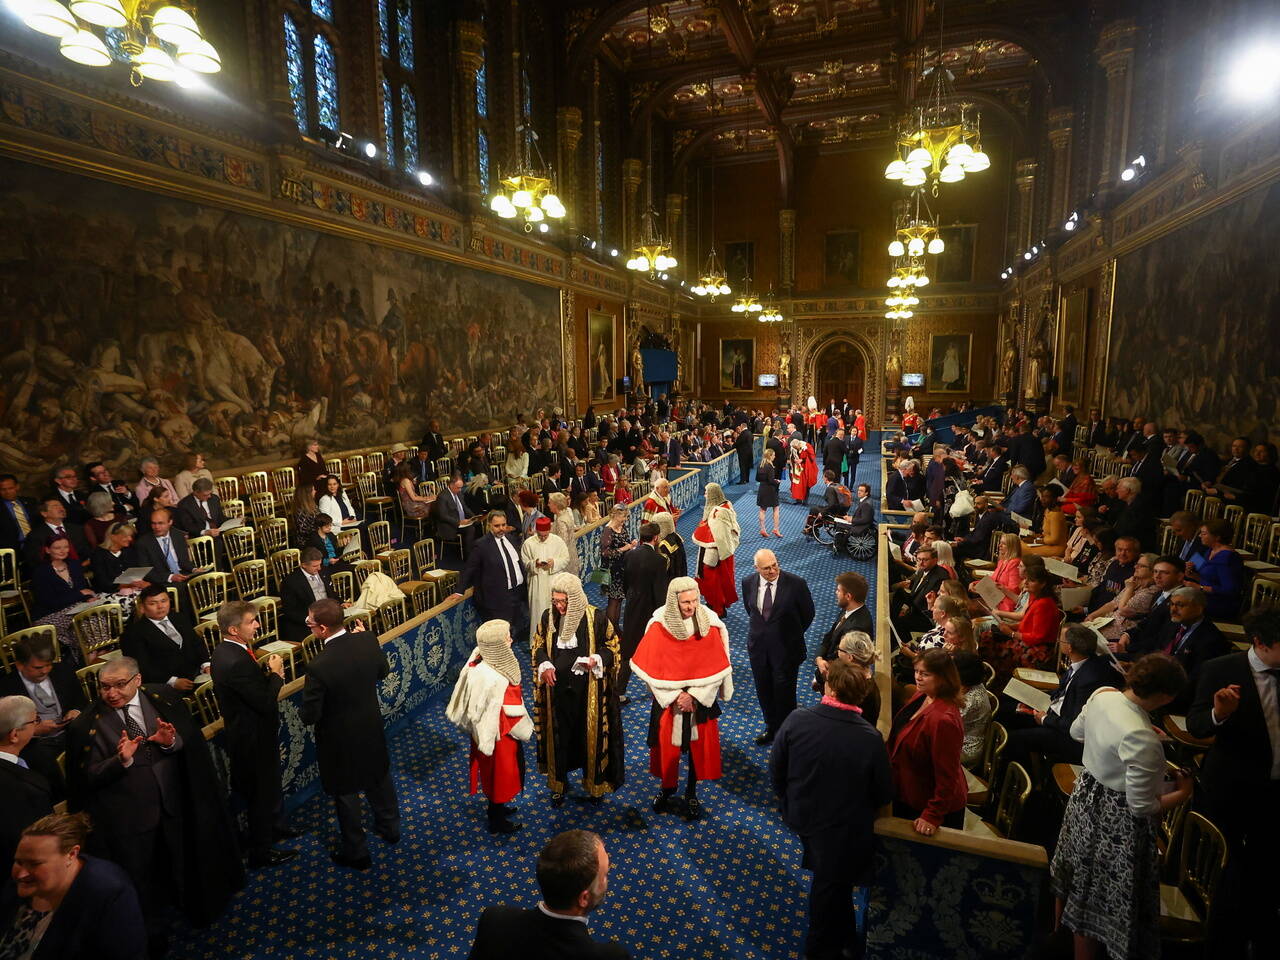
(1233, 513)
(354, 618)
(355, 465)
(1187, 906)
(262, 506)
(333, 467)
(207, 707)
(311, 646)
(424, 555)
(233, 509)
(362, 569)
(12, 596)
(428, 488)
(251, 578)
(1167, 535)
(398, 565)
(1273, 548)
(202, 552)
(375, 460)
(343, 586)
(227, 488)
(376, 503)
(175, 598)
(88, 677)
(240, 544)
(422, 594)
(284, 562)
(444, 468)
(256, 482)
(45, 631)
(268, 619)
(98, 630)
(1193, 501)
(284, 481)
(274, 533)
(1014, 791)
(1211, 509)
(344, 537)
(1257, 527)
(389, 615)
(1265, 592)
(209, 634)
(208, 592)
(380, 537)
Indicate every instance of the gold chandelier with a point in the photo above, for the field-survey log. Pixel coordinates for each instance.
(160, 37)
(652, 254)
(917, 231)
(769, 312)
(940, 139)
(747, 302)
(909, 275)
(530, 190)
(712, 283)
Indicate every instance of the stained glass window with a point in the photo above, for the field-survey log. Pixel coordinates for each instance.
(482, 91)
(388, 118)
(409, 127)
(323, 8)
(384, 29)
(326, 68)
(404, 33)
(526, 97)
(295, 70)
(482, 147)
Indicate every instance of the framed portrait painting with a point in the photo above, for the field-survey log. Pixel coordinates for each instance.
(600, 353)
(949, 362)
(841, 251)
(739, 263)
(1073, 326)
(737, 364)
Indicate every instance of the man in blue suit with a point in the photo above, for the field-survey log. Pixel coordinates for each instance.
(781, 609)
(1022, 495)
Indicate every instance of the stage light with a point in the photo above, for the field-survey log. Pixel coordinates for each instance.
(425, 178)
(370, 150)
(1255, 74)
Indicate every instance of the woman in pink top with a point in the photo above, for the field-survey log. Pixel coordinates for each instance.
(1008, 572)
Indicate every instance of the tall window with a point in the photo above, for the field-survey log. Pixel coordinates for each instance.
(399, 82)
(311, 66)
(482, 121)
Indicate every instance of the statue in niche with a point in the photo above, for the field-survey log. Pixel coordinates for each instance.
(1008, 361)
(893, 369)
(637, 371)
(784, 368)
(1037, 363)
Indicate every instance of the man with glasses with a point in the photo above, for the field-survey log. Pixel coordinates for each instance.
(65, 484)
(25, 795)
(139, 765)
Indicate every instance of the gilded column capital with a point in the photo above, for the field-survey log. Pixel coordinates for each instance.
(1115, 46)
(569, 123)
(632, 170)
(1060, 121)
(471, 45)
(1025, 174)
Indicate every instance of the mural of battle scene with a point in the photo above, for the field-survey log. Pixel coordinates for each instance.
(1193, 339)
(137, 325)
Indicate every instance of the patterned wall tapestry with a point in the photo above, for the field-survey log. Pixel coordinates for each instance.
(1193, 339)
(134, 324)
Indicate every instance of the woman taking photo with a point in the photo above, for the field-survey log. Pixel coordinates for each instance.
(767, 491)
(614, 547)
(924, 748)
(1105, 872)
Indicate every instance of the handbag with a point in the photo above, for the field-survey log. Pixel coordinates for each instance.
(962, 506)
(600, 576)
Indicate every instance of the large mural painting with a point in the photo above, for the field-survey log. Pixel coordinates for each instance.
(1193, 341)
(137, 325)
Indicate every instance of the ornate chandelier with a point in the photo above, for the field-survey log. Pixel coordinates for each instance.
(652, 254)
(747, 301)
(908, 276)
(769, 312)
(160, 38)
(712, 283)
(940, 140)
(530, 190)
(917, 231)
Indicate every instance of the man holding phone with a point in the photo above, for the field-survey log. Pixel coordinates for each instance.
(52, 685)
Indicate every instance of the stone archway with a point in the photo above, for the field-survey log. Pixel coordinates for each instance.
(861, 354)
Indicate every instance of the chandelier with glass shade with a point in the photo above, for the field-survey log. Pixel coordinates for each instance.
(748, 302)
(769, 312)
(529, 191)
(712, 282)
(160, 38)
(917, 230)
(909, 275)
(940, 139)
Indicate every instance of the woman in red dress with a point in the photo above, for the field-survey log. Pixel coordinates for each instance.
(860, 424)
(1033, 643)
(717, 538)
(924, 748)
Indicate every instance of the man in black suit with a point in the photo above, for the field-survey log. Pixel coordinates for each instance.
(976, 543)
(671, 448)
(1189, 637)
(830, 771)
(903, 484)
(451, 514)
(1136, 519)
(65, 488)
(647, 579)
(1068, 424)
(744, 443)
(53, 687)
(165, 646)
(496, 575)
(18, 515)
(1235, 472)
(1200, 464)
(433, 441)
(573, 872)
(1099, 434)
(992, 475)
(780, 608)
(775, 444)
(863, 512)
(248, 697)
(139, 765)
(1237, 702)
(852, 454)
(909, 606)
(340, 699)
(100, 478)
(833, 452)
(25, 794)
(1168, 572)
(853, 614)
(1048, 732)
(164, 549)
(53, 523)
(199, 513)
(298, 591)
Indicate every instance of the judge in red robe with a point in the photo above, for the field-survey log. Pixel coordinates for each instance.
(717, 538)
(488, 704)
(684, 660)
(803, 468)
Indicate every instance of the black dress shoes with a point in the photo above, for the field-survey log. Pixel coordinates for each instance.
(764, 739)
(355, 863)
(389, 837)
(273, 858)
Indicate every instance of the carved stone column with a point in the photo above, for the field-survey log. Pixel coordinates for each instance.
(1115, 57)
(632, 168)
(568, 136)
(675, 206)
(786, 250)
(1060, 119)
(470, 59)
(1025, 178)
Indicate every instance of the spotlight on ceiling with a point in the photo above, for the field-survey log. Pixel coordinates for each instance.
(1138, 164)
(425, 178)
(370, 150)
(1073, 221)
(613, 252)
(1255, 75)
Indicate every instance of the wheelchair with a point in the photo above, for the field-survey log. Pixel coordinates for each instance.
(835, 532)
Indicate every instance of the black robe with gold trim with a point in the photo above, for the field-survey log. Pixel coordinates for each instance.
(671, 549)
(578, 721)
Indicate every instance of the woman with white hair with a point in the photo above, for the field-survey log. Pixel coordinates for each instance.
(151, 480)
(717, 538)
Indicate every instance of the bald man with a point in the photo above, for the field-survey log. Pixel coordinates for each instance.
(781, 609)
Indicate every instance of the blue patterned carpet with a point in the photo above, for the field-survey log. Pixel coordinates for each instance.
(728, 887)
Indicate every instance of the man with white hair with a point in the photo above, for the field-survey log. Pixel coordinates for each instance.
(487, 703)
(577, 655)
(684, 660)
(25, 795)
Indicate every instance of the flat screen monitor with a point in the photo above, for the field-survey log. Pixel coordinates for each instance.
(768, 380)
(913, 379)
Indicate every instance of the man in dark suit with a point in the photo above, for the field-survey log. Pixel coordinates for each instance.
(100, 478)
(340, 699)
(451, 514)
(863, 512)
(1237, 702)
(775, 444)
(1048, 733)
(163, 643)
(65, 488)
(199, 513)
(298, 591)
(1068, 425)
(1022, 493)
(433, 441)
(1027, 450)
(1189, 637)
(992, 475)
(138, 763)
(164, 550)
(53, 523)
(53, 687)
(1200, 464)
(1099, 434)
(977, 542)
(830, 771)
(909, 606)
(853, 614)
(25, 794)
(248, 697)
(1235, 472)
(780, 608)
(671, 449)
(496, 575)
(573, 870)
(18, 515)
(852, 453)
(647, 579)
(744, 444)
(1136, 519)
(1168, 572)
(903, 484)
(833, 452)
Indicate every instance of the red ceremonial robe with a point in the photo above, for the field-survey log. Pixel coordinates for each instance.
(860, 425)
(802, 480)
(699, 666)
(501, 776)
